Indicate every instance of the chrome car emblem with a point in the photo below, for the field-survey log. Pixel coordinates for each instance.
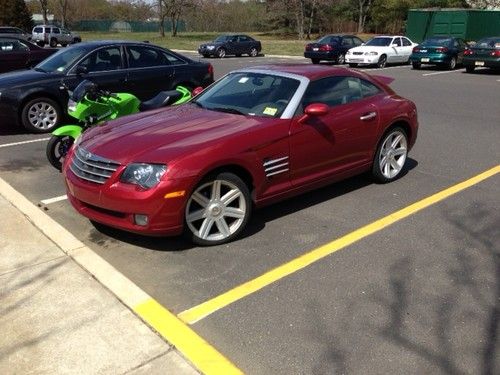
(88, 156)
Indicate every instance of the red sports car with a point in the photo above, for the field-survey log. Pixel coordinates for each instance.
(256, 136)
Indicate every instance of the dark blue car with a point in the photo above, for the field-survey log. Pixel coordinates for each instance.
(331, 48)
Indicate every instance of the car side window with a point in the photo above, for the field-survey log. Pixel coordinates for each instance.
(142, 57)
(406, 42)
(397, 42)
(170, 59)
(357, 41)
(243, 38)
(104, 59)
(347, 42)
(332, 91)
(368, 89)
(55, 30)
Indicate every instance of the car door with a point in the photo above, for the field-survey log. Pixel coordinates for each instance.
(104, 66)
(149, 71)
(245, 44)
(341, 140)
(397, 53)
(14, 55)
(407, 48)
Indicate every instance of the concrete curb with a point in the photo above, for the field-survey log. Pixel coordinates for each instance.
(196, 352)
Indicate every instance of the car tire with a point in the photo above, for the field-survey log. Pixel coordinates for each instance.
(57, 149)
(53, 43)
(253, 52)
(64, 44)
(353, 65)
(205, 55)
(340, 59)
(40, 44)
(391, 155)
(382, 62)
(41, 115)
(77, 40)
(452, 64)
(470, 68)
(416, 65)
(315, 61)
(217, 210)
(221, 53)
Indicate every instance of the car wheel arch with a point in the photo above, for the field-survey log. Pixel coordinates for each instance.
(400, 123)
(39, 94)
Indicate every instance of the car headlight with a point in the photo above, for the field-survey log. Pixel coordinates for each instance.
(372, 53)
(210, 47)
(348, 52)
(144, 175)
(72, 105)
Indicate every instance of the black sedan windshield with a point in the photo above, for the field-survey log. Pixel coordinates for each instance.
(248, 93)
(222, 38)
(62, 60)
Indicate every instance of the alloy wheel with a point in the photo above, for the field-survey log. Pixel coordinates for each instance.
(392, 154)
(42, 115)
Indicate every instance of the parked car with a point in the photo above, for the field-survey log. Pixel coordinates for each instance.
(443, 51)
(18, 54)
(53, 35)
(231, 45)
(381, 50)
(37, 98)
(256, 136)
(331, 48)
(15, 32)
(485, 53)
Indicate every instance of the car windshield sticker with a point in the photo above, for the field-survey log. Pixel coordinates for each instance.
(270, 111)
(243, 80)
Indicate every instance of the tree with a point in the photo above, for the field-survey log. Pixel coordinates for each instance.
(172, 9)
(363, 11)
(15, 13)
(63, 8)
(484, 4)
(44, 4)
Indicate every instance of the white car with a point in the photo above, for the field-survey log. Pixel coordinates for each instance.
(380, 51)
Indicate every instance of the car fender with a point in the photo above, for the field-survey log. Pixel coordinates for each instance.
(37, 92)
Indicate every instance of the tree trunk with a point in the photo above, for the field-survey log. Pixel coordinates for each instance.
(311, 18)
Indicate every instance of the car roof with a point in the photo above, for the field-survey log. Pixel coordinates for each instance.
(99, 43)
(312, 72)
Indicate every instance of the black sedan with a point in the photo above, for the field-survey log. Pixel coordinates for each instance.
(18, 54)
(331, 48)
(484, 54)
(231, 45)
(37, 98)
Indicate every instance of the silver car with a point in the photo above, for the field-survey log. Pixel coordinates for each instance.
(53, 35)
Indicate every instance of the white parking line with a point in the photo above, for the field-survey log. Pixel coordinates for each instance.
(24, 142)
(55, 199)
(445, 72)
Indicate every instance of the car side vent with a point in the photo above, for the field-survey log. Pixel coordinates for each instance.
(275, 166)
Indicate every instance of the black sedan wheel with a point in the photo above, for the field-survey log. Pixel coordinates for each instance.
(315, 61)
(41, 115)
(253, 52)
(391, 155)
(341, 59)
(217, 210)
(470, 68)
(221, 53)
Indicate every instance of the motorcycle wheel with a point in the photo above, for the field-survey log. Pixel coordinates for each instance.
(57, 149)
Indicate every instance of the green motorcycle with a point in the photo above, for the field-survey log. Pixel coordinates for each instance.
(91, 105)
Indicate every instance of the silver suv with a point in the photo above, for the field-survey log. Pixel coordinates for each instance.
(10, 31)
(53, 35)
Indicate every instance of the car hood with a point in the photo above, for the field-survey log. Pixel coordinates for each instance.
(369, 48)
(163, 135)
(21, 77)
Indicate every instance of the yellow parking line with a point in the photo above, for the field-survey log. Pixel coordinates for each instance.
(203, 356)
(199, 312)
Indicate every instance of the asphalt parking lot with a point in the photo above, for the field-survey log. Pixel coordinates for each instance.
(419, 294)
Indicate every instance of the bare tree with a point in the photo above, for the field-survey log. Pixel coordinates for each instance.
(172, 9)
(483, 4)
(45, 9)
(63, 7)
(363, 9)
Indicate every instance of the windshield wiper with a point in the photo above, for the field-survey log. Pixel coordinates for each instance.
(198, 104)
(228, 110)
(40, 70)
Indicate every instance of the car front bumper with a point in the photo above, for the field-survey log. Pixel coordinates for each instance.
(115, 204)
(206, 51)
(362, 59)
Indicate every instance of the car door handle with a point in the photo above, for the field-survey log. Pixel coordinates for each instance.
(368, 116)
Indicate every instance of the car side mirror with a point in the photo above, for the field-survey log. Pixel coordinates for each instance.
(314, 110)
(394, 45)
(197, 91)
(81, 70)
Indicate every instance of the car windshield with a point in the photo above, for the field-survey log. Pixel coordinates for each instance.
(63, 59)
(436, 42)
(488, 43)
(379, 42)
(222, 38)
(249, 93)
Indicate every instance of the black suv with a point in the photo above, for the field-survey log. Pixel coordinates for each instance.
(231, 45)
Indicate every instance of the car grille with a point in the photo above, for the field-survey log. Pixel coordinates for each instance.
(275, 166)
(357, 53)
(91, 167)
